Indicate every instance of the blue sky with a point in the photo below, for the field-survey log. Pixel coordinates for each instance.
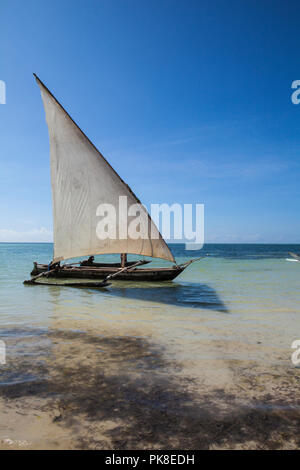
(190, 101)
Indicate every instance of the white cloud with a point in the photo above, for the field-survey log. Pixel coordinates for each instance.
(33, 235)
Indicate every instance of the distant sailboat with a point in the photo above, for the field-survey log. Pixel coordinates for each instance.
(81, 179)
(294, 256)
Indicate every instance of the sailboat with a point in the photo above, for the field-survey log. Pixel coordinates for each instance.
(295, 256)
(81, 179)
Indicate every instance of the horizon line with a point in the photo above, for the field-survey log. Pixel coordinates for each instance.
(172, 243)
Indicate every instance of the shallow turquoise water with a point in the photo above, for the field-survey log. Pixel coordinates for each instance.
(247, 289)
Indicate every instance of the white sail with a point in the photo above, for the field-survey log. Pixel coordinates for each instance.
(82, 180)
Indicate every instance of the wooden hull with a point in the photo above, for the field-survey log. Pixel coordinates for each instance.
(135, 274)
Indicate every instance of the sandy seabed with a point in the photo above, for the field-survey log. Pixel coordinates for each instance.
(68, 389)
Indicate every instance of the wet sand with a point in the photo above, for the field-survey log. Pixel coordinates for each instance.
(68, 389)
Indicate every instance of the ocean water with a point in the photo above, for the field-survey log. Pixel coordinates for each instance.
(232, 281)
(225, 324)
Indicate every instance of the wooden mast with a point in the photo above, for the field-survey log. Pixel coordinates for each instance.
(123, 260)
